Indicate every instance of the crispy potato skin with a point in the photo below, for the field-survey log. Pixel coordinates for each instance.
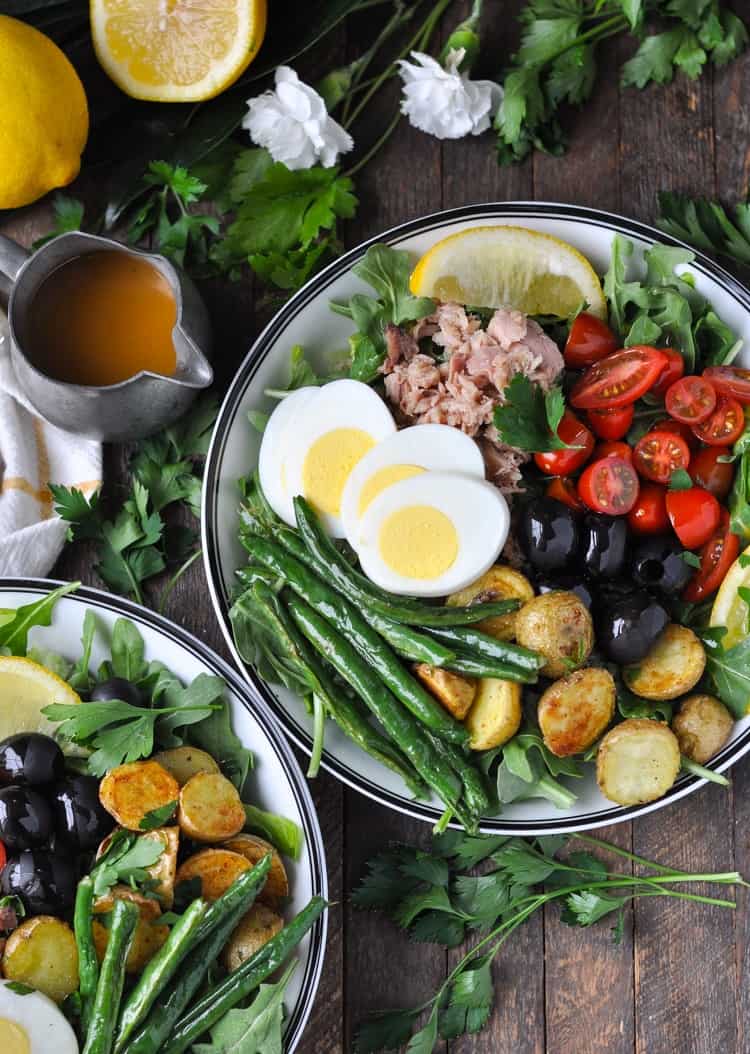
(674, 664)
(149, 934)
(185, 762)
(42, 953)
(557, 625)
(129, 792)
(164, 868)
(254, 930)
(702, 726)
(499, 583)
(637, 761)
(452, 690)
(575, 710)
(210, 808)
(254, 849)
(495, 715)
(216, 868)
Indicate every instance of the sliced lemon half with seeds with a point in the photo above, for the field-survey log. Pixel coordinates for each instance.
(25, 689)
(509, 267)
(731, 608)
(176, 50)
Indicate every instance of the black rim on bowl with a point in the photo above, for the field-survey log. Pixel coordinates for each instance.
(96, 598)
(493, 211)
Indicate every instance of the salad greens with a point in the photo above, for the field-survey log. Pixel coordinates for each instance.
(256, 1029)
(15, 623)
(706, 224)
(528, 418)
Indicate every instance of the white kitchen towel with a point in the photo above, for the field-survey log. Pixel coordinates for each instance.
(34, 453)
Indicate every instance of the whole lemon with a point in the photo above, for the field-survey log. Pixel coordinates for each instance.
(44, 118)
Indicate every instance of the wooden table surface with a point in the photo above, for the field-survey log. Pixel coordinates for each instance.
(678, 982)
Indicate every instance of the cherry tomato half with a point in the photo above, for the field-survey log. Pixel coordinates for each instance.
(725, 425)
(658, 454)
(611, 424)
(678, 428)
(565, 462)
(589, 340)
(564, 490)
(613, 449)
(649, 514)
(672, 372)
(609, 485)
(730, 380)
(691, 400)
(716, 557)
(707, 471)
(694, 515)
(619, 379)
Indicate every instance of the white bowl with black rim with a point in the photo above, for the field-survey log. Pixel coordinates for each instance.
(276, 782)
(306, 319)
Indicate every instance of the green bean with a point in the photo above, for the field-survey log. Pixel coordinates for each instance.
(242, 981)
(221, 918)
(371, 646)
(88, 962)
(159, 971)
(408, 642)
(472, 643)
(361, 591)
(483, 667)
(475, 794)
(100, 1034)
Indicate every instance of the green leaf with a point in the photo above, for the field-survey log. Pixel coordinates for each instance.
(544, 38)
(19, 987)
(301, 373)
(655, 59)
(691, 559)
(473, 987)
(528, 418)
(158, 817)
(521, 863)
(67, 215)
(620, 292)
(482, 897)
(572, 75)
(126, 860)
(216, 736)
(283, 833)
(680, 480)
(386, 1031)
(434, 898)
(435, 927)
(14, 631)
(465, 850)
(383, 885)
(127, 651)
(80, 677)
(257, 1029)
(633, 11)
(729, 671)
(734, 41)
(423, 1042)
(586, 908)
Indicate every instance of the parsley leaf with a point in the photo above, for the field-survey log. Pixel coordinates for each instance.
(67, 215)
(164, 218)
(528, 418)
(158, 817)
(126, 860)
(706, 224)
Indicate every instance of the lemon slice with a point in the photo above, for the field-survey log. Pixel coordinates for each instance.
(509, 267)
(176, 50)
(730, 609)
(25, 688)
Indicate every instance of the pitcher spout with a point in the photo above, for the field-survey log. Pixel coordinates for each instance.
(193, 368)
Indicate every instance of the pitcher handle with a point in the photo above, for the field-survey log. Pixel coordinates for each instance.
(12, 258)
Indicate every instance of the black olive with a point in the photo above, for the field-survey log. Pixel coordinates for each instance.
(45, 882)
(25, 818)
(658, 564)
(604, 541)
(30, 758)
(627, 624)
(81, 821)
(548, 533)
(117, 688)
(568, 583)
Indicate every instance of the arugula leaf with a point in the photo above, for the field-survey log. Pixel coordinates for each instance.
(680, 480)
(67, 215)
(285, 834)
(158, 817)
(19, 987)
(728, 670)
(706, 224)
(80, 676)
(126, 860)
(14, 629)
(256, 1029)
(528, 419)
(127, 650)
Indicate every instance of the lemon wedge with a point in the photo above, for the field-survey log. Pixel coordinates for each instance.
(509, 267)
(176, 50)
(25, 689)
(730, 609)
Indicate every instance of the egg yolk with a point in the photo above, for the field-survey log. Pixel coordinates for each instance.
(14, 1039)
(329, 463)
(383, 478)
(418, 541)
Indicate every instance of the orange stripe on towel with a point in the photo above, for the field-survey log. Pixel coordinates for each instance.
(43, 495)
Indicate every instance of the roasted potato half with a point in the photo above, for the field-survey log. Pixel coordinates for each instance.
(163, 871)
(557, 625)
(674, 664)
(210, 808)
(42, 953)
(495, 715)
(702, 726)
(575, 710)
(185, 762)
(255, 930)
(254, 849)
(637, 761)
(499, 583)
(452, 690)
(216, 868)
(149, 934)
(129, 792)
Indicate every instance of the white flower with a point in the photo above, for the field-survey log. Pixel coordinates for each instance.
(444, 102)
(292, 123)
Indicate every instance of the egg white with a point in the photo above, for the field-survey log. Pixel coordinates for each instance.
(431, 447)
(278, 434)
(340, 404)
(477, 510)
(46, 1026)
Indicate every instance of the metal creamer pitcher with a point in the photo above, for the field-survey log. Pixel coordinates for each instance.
(135, 407)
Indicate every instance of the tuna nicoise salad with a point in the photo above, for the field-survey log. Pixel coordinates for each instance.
(142, 900)
(500, 543)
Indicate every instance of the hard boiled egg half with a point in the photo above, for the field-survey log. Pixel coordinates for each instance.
(30, 1023)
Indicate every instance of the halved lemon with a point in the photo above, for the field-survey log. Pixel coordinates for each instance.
(176, 50)
(730, 608)
(25, 689)
(509, 267)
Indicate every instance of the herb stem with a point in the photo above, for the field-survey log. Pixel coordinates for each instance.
(175, 579)
(376, 146)
(617, 851)
(688, 765)
(319, 715)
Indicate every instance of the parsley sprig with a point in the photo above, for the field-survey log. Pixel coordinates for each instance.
(706, 224)
(529, 418)
(437, 897)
